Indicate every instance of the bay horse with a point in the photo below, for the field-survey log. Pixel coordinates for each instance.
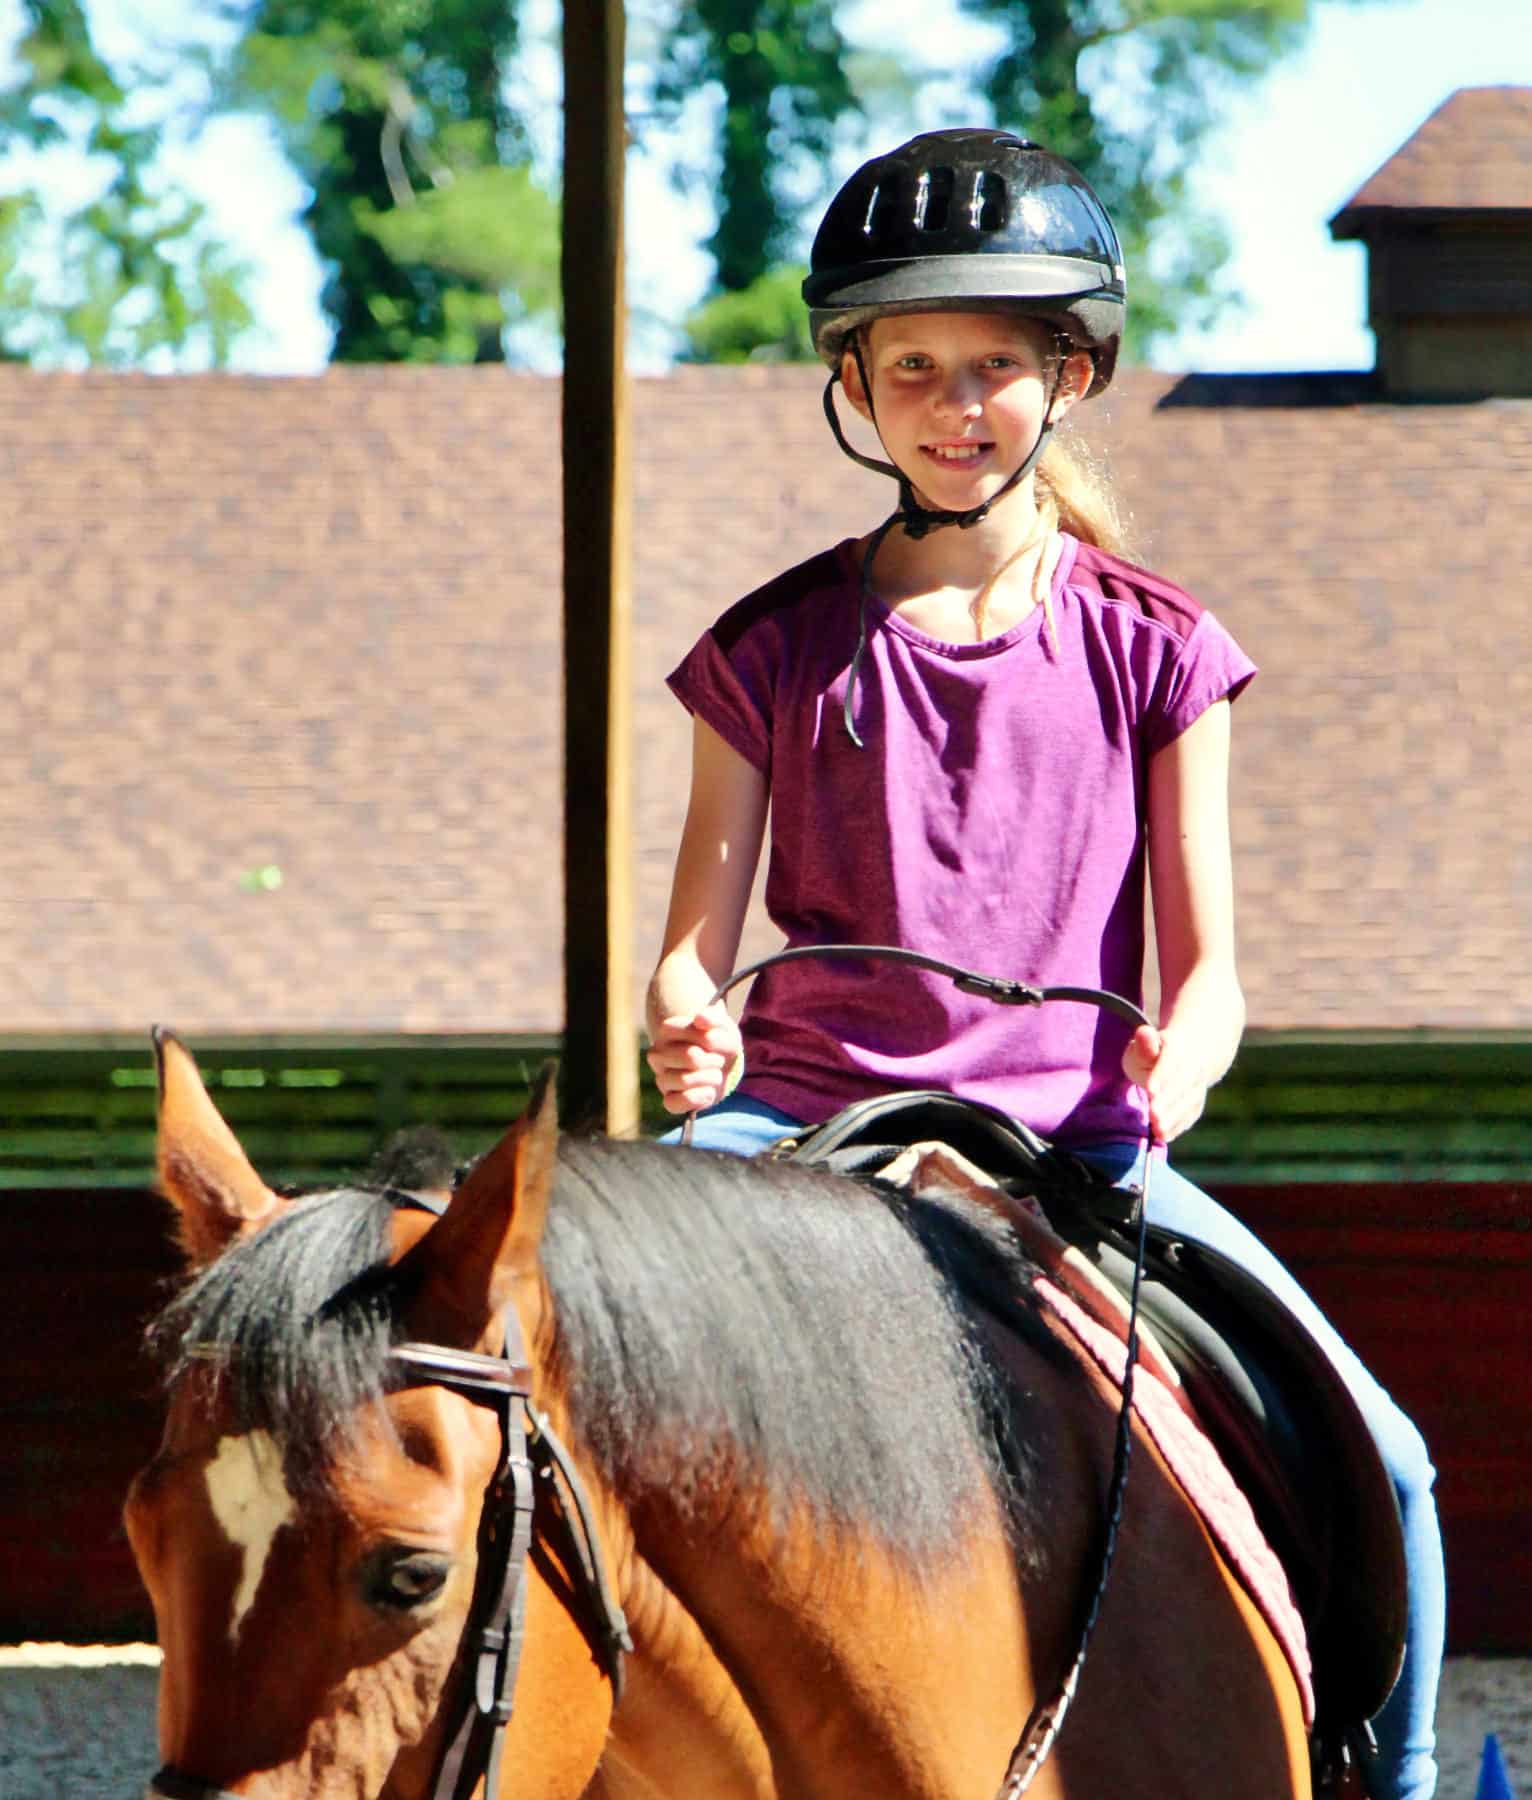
(838, 1484)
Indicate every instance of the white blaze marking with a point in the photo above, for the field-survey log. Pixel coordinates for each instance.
(250, 1501)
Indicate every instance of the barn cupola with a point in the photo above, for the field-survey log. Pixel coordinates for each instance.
(1447, 222)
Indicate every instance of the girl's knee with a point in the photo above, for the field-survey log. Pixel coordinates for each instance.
(1404, 1450)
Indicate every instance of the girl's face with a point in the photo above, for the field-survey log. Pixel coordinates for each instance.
(960, 397)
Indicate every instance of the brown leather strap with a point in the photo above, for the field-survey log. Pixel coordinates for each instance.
(1048, 1721)
(493, 1638)
(497, 1623)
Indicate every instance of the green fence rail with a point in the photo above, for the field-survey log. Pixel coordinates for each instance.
(1381, 1108)
(1397, 1107)
(307, 1113)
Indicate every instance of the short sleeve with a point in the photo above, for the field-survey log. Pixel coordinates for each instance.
(1208, 667)
(732, 692)
(739, 675)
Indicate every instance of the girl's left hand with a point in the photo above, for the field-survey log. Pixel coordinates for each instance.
(1173, 1077)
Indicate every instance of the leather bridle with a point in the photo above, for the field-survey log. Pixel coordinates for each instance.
(532, 1459)
(535, 1471)
(532, 1454)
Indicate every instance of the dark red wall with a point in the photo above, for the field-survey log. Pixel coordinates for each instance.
(1429, 1281)
(81, 1273)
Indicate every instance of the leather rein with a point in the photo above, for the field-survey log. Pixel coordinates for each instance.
(534, 1466)
(1047, 1721)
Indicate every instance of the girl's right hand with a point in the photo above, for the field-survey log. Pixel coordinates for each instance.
(693, 1056)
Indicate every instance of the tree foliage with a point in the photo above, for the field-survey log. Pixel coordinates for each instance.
(780, 70)
(765, 322)
(130, 274)
(1128, 90)
(433, 233)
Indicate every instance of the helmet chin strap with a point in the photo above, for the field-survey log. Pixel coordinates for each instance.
(917, 519)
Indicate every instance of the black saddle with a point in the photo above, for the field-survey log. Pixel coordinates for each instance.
(862, 1139)
(1269, 1397)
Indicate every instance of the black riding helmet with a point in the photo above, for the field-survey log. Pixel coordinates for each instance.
(962, 221)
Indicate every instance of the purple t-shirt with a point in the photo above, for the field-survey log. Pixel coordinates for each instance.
(993, 819)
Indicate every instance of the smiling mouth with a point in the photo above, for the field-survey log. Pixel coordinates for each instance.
(956, 455)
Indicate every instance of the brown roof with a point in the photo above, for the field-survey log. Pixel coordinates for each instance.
(313, 626)
(1474, 153)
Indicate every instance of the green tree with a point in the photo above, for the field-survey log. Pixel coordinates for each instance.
(132, 275)
(779, 66)
(432, 229)
(1128, 90)
(765, 322)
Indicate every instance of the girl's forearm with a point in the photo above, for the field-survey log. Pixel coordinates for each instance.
(1208, 1008)
(680, 987)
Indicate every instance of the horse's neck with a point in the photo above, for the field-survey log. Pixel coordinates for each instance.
(770, 1665)
(683, 1709)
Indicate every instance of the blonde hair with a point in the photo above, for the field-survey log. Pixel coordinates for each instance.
(1072, 493)
(1075, 492)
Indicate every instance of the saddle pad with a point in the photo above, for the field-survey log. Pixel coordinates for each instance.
(1201, 1471)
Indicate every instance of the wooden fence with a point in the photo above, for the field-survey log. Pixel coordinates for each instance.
(1294, 1109)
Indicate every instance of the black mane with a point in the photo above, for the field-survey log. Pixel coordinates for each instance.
(800, 1335)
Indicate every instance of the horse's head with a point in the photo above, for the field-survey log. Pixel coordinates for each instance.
(310, 1529)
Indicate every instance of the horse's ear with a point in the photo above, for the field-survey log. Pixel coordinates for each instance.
(202, 1170)
(487, 1243)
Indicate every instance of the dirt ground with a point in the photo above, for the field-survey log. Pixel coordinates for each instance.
(1481, 1694)
(78, 1723)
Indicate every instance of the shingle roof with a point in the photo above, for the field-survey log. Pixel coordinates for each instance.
(254, 625)
(1372, 558)
(312, 625)
(1474, 153)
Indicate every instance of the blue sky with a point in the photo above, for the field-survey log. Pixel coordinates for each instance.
(1292, 150)
(1296, 148)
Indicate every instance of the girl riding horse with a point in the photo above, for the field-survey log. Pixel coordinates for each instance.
(976, 728)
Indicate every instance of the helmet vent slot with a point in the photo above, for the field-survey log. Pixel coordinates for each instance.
(933, 199)
(986, 210)
(1101, 241)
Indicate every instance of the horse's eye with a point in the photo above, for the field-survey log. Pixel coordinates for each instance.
(403, 1579)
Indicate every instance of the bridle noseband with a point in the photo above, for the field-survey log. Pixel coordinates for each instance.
(534, 1464)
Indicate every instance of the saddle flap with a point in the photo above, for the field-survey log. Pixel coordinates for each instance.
(1264, 1390)
(1300, 1447)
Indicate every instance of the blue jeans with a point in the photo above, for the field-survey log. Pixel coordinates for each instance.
(739, 1125)
(1406, 1727)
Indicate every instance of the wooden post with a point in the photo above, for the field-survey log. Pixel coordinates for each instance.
(600, 1032)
